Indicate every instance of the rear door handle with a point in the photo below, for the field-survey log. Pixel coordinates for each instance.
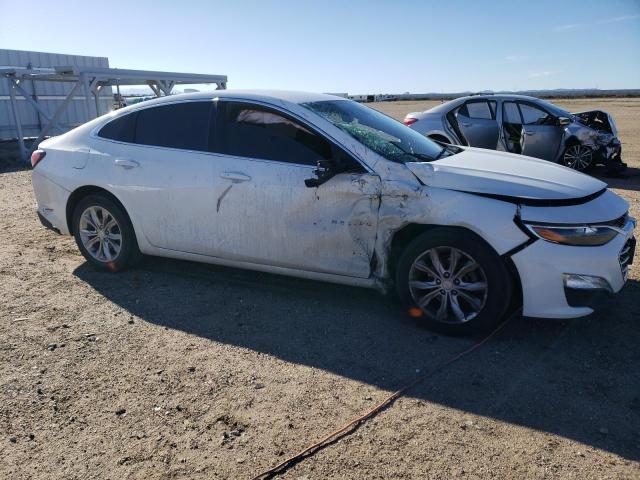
(126, 163)
(235, 177)
(529, 133)
(466, 124)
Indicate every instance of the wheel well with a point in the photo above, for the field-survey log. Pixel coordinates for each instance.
(81, 193)
(406, 234)
(439, 138)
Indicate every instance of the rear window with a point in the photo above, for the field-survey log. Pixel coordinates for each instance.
(122, 129)
(179, 125)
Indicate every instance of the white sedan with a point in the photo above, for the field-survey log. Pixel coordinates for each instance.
(321, 187)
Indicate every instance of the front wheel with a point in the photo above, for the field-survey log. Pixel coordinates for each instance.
(578, 157)
(452, 282)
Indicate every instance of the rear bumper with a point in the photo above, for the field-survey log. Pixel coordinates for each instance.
(52, 202)
(46, 223)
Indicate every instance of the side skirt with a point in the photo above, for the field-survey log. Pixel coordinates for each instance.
(290, 272)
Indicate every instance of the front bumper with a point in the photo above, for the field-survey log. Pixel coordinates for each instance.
(608, 153)
(543, 267)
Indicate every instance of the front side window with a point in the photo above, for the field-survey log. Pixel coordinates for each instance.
(382, 134)
(178, 125)
(533, 116)
(254, 131)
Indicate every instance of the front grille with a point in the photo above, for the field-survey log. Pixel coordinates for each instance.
(626, 256)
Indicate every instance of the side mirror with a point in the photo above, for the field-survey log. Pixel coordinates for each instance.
(325, 170)
(564, 121)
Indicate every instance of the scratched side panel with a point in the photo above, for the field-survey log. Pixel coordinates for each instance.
(274, 219)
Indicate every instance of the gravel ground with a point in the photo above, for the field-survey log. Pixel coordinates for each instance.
(181, 370)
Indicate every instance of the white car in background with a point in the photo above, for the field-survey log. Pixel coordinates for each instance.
(321, 187)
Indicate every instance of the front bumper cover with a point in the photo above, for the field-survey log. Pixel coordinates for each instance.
(543, 267)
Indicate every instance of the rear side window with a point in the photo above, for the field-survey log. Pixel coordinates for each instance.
(179, 125)
(122, 129)
(254, 131)
(511, 113)
(479, 110)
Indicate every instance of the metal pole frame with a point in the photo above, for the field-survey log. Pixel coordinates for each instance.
(56, 116)
(35, 104)
(16, 118)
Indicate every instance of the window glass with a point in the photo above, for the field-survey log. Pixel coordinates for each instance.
(377, 131)
(479, 110)
(256, 132)
(122, 128)
(180, 125)
(492, 105)
(532, 115)
(511, 113)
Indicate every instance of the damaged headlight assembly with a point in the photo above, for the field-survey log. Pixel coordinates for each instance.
(576, 235)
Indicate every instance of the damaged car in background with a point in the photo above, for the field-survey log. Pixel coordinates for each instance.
(524, 125)
(321, 187)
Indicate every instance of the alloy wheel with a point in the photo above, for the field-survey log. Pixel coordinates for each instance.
(578, 157)
(100, 234)
(448, 285)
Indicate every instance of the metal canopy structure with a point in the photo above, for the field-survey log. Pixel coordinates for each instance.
(87, 82)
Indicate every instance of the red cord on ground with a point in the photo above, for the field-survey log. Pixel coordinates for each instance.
(348, 427)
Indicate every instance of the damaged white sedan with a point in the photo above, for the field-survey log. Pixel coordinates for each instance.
(321, 187)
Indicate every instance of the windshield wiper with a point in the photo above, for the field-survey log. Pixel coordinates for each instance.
(422, 156)
(442, 152)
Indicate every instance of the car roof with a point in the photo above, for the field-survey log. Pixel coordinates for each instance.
(264, 95)
(482, 96)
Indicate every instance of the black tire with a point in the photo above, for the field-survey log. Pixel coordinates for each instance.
(493, 274)
(128, 253)
(578, 157)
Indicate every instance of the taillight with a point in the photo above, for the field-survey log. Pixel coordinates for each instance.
(37, 156)
(409, 121)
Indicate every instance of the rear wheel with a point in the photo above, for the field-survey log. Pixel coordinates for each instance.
(452, 282)
(104, 234)
(578, 157)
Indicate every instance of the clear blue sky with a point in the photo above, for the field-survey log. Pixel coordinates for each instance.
(348, 46)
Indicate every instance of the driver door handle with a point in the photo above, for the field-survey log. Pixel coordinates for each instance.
(465, 124)
(126, 163)
(529, 133)
(235, 177)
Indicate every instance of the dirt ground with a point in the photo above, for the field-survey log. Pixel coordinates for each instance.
(177, 370)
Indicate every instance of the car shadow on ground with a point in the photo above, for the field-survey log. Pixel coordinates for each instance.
(579, 379)
(629, 179)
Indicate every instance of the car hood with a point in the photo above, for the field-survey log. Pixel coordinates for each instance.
(500, 174)
(598, 120)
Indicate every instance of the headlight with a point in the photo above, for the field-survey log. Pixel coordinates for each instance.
(581, 235)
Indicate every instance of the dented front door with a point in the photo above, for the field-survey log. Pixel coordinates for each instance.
(265, 214)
